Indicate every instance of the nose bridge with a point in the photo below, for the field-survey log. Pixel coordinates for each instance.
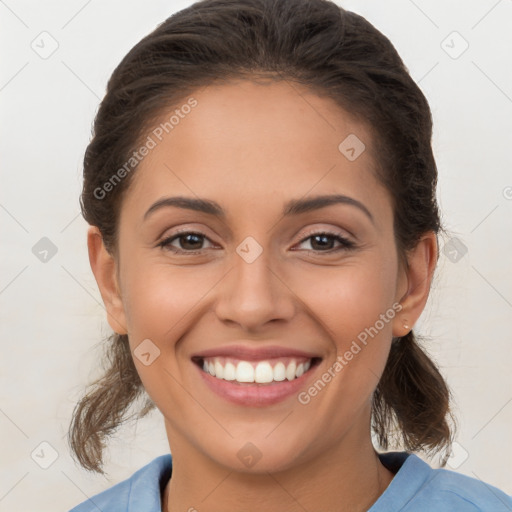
(251, 293)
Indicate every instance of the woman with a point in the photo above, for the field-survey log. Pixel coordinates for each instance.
(261, 191)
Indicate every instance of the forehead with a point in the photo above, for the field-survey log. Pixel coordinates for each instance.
(243, 140)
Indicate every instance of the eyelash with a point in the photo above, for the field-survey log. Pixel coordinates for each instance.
(346, 244)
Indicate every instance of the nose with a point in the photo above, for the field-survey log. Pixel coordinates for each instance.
(254, 294)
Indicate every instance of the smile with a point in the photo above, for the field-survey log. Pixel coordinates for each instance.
(259, 372)
(255, 376)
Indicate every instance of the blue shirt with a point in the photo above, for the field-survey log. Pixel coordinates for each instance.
(415, 487)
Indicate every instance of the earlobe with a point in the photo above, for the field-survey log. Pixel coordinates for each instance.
(421, 265)
(103, 266)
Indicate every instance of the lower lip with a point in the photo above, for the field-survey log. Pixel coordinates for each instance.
(255, 395)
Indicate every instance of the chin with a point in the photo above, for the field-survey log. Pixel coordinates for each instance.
(259, 456)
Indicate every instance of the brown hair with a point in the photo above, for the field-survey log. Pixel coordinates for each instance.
(333, 52)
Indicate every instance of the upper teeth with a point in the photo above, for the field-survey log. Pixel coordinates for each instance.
(261, 372)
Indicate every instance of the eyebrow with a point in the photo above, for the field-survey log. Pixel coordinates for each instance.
(297, 206)
(188, 203)
(292, 207)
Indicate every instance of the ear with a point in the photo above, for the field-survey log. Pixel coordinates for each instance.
(422, 261)
(103, 266)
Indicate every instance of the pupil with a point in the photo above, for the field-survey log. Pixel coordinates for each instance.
(192, 236)
(324, 240)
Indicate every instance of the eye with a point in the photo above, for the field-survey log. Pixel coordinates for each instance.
(190, 242)
(323, 241)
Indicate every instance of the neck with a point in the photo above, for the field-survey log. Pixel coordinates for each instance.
(348, 478)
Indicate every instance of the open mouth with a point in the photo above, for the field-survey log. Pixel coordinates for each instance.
(268, 371)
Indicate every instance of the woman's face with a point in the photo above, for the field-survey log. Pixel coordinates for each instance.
(264, 288)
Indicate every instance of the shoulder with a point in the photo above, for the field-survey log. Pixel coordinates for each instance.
(418, 487)
(142, 491)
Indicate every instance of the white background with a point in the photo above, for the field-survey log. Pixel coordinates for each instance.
(52, 321)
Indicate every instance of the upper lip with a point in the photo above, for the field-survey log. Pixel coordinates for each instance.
(246, 353)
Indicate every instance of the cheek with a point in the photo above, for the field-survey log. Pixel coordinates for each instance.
(348, 298)
(161, 301)
(158, 297)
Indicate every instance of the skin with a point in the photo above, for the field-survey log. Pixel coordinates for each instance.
(251, 147)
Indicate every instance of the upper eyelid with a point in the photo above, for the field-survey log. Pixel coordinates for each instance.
(303, 234)
(318, 231)
(183, 231)
(346, 230)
